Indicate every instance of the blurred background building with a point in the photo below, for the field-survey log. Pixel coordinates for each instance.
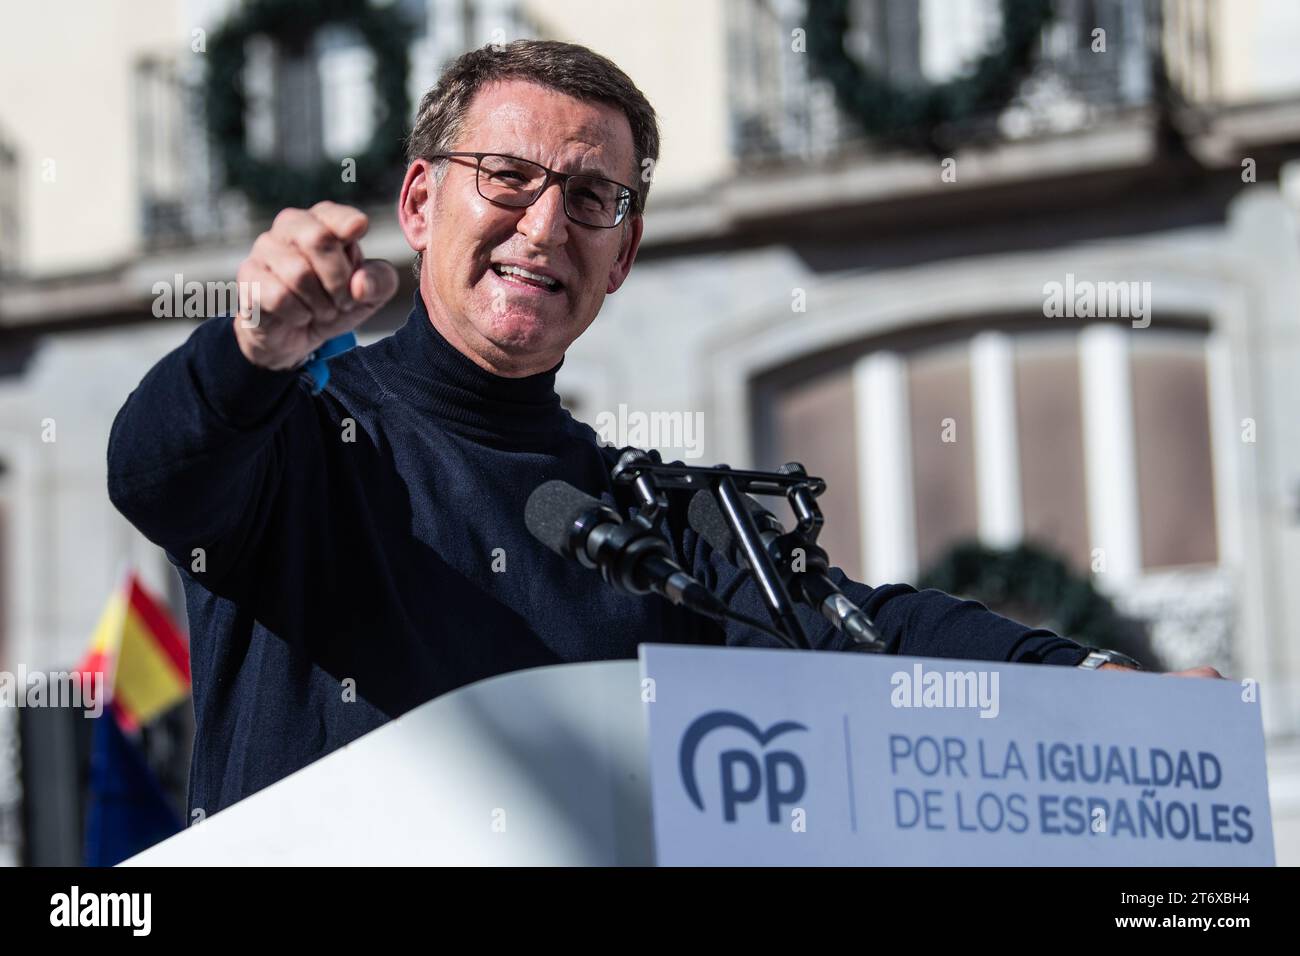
(872, 305)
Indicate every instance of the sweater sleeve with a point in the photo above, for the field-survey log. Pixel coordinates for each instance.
(195, 454)
(916, 623)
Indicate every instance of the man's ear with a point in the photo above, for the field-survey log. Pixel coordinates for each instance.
(414, 204)
(627, 255)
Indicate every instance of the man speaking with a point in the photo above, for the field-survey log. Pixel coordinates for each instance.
(349, 555)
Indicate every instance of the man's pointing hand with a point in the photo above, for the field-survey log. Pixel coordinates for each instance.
(306, 281)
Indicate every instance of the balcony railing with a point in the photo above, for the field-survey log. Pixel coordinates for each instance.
(178, 181)
(780, 107)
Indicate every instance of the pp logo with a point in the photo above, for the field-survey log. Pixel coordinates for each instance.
(743, 777)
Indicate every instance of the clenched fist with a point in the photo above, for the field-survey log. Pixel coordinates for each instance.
(305, 281)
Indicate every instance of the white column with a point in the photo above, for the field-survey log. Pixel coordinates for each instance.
(1225, 450)
(425, 67)
(449, 28)
(997, 448)
(1110, 460)
(884, 451)
(1236, 498)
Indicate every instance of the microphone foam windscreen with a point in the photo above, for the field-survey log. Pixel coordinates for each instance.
(552, 509)
(710, 523)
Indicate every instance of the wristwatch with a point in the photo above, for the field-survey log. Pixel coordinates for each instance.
(1098, 656)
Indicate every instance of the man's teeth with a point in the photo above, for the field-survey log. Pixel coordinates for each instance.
(525, 274)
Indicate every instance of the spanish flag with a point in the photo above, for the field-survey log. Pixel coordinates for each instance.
(142, 654)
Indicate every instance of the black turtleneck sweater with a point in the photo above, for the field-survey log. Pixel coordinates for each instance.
(350, 555)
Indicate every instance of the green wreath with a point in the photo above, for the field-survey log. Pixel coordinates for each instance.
(1032, 585)
(270, 185)
(924, 116)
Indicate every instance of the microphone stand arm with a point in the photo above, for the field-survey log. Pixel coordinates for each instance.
(728, 485)
(770, 582)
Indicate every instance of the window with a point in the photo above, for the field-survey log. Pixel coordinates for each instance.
(933, 459)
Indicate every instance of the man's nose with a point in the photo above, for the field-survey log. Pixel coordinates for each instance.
(545, 221)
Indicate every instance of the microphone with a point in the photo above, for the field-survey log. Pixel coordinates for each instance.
(812, 586)
(629, 555)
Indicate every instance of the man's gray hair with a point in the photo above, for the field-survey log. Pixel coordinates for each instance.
(564, 67)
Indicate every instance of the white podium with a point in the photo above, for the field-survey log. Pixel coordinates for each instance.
(745, 756)
(540, 767)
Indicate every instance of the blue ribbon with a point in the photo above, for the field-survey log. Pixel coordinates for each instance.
(317, 368)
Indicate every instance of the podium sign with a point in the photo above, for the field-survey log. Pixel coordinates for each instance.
(774, 757)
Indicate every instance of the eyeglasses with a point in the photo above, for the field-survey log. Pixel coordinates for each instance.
(510, 181)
